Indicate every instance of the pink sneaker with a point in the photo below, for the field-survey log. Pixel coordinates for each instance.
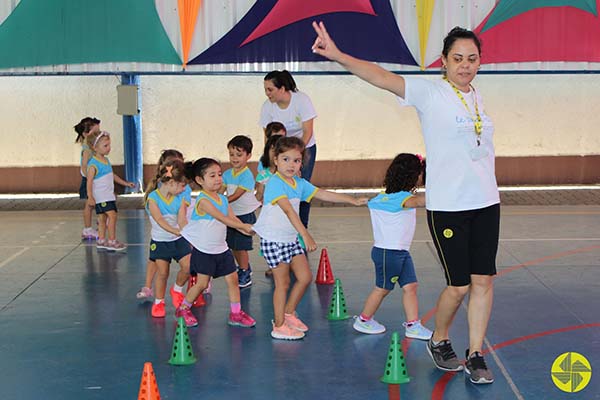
(115, 245)
(176, 297)
(286, 332)
(89, 234)
(187, 315)
(293, 321)
(101, 244)
(145, 293)
(241, 319)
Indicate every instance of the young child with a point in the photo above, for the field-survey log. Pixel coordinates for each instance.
(146, 292)
(239, 183)
(101, 191)
(278, 226)
(274, 128)
(393, 217)
(206, 232)
(166, 207)
(84, 128)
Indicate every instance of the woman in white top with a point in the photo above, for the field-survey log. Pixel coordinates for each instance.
(286, 104)
(463, 204)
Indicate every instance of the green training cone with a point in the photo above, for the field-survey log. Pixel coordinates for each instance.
(337, 307)
(395, 367)
(182, 353)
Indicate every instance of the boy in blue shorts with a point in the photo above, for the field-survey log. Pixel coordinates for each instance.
(239, 183)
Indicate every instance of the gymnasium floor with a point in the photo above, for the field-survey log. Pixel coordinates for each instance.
(71, 328)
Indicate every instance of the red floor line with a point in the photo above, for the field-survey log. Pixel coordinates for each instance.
(551, 257)
(440, 386)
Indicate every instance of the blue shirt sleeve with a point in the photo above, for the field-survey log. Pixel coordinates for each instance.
(274, 190)
(307, 190)
(246, 180)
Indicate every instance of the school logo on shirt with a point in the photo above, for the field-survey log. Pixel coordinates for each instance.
(571, 372)
(448, 233)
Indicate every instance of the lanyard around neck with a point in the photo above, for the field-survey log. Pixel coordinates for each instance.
(478, 125)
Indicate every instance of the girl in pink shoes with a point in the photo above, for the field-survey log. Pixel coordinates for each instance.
(393, 217)
(146, 292)
(101, 191)
(84, 128)
(279, 225)
(166, 206)
(206, 232)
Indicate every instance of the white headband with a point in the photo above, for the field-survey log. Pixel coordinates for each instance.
(103, 133)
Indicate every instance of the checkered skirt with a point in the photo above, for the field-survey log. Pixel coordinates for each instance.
(276, 252)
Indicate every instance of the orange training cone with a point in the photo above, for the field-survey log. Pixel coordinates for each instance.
(324, 274)
(148, 386)
(199, 302)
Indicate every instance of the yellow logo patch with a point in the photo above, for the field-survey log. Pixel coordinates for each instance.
(103, 204)
(153, 246)
(571, 372)
(448, 233)
(394, 279)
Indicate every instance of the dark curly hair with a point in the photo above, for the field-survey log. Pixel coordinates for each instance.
(403, 173)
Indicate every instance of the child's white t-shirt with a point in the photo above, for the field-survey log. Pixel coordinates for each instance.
(455, 180)
(244, 179)
(393, 225)
(272, 224)
(298, 111)
(204, 232)
(169, 210)
(103, 186)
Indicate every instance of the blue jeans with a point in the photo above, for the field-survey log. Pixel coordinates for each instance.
(310, 156)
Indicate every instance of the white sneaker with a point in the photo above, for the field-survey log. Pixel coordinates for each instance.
(370, 327)
(417, 331)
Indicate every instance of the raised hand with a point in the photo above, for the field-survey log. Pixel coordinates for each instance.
(324, 44)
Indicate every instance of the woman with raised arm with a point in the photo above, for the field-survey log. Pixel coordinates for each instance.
(463, 203)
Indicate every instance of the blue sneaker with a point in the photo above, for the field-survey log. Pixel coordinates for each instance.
(244, 277)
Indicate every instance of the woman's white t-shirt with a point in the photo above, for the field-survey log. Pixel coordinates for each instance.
(459, 176)
(298, 111)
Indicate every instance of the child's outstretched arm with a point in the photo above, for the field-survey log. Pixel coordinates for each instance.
(123, 182)
(235, 195)
(158, 217)
(417, 200)
(340, 198)
(294, 218)
(230, 220)
(182, 215)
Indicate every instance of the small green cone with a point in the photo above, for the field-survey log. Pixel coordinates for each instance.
(182, 353)
(337, 307)
(395, 367)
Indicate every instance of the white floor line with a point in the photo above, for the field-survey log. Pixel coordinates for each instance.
(17, 254)
(328, 242)
(502, 368)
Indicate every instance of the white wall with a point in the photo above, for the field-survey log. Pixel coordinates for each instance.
(535, 115)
